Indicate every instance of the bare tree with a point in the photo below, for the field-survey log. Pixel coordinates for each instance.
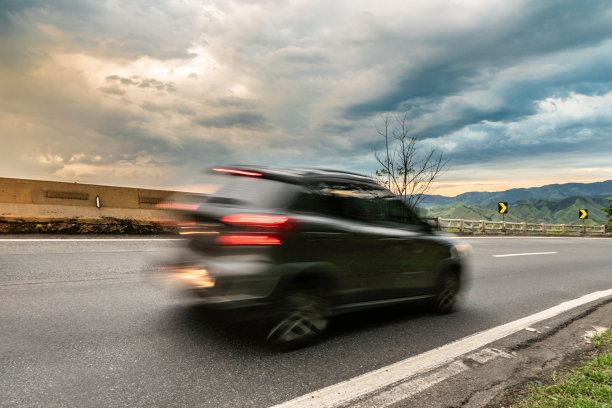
(405, 170)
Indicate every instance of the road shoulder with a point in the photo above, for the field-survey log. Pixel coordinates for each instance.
(495, 375)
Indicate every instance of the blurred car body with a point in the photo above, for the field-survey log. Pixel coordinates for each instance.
(297, 246)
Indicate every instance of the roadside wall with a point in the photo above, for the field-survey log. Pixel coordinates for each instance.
(19, 191)
(49, 206)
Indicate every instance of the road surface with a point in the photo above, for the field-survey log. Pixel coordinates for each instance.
(80, 326)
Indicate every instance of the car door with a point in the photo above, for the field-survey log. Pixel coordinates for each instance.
(383, 245)
(410, 268)
(335, 235)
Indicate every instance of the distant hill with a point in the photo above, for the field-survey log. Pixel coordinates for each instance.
(552, 211)
(551, 191)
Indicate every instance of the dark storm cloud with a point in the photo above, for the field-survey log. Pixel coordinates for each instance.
(540, 29)
(504, 152)
(577, 125)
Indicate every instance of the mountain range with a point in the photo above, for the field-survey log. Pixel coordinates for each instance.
(554, 204)
(601, 188)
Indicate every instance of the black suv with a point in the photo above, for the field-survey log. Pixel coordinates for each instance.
(298, 246)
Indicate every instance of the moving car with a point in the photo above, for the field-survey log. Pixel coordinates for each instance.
(298, 246)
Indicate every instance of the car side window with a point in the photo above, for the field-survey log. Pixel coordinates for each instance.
(397, 212)
(354, 201)
(343, 199)
(363, 209)
(312, 201)
(388, 211)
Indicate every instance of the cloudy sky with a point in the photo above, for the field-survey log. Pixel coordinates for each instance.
(151, 92)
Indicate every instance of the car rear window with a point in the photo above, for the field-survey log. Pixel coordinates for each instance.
(257, 192)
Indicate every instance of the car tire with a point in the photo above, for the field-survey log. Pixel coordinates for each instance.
(448, 294)
(301, 319)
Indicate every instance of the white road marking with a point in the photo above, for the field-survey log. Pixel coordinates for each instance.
(406, 389)
(525, 254)
(412, 387)
(87, 239)
(358, 387)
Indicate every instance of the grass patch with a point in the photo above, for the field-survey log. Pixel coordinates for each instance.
(582, 387)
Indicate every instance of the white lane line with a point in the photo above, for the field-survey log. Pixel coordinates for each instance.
(525, 254)
(86, 239)
(357, 387)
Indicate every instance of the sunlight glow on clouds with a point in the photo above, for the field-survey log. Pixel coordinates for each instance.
(571, 121)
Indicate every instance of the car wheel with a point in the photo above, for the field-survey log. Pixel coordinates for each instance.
(448, 294)
(302, 319)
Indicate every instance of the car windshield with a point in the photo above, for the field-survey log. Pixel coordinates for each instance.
(257, 192)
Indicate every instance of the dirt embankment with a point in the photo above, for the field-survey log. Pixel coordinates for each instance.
(80, 226)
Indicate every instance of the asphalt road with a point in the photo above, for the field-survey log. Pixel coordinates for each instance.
(80, 326)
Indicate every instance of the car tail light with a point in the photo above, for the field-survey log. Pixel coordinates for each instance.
(247, 239)
(255, 229)
(257, 220)
(237, 172)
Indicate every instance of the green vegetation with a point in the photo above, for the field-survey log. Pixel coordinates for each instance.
(586, 386)
(608, 211)
(551, 211)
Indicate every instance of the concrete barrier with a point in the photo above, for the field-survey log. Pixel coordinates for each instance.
(34, 206)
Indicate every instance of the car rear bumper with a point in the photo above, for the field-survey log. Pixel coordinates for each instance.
(221, 283)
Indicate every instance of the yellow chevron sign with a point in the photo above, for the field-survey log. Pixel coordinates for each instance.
(502, 208)
(582, 214)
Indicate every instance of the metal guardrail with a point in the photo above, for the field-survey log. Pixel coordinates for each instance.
(516, 228)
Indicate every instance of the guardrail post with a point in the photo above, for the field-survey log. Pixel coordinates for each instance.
(461, 225)
(482, 226)
(524, 228)
(438, 224)
(503, 227)
(543, 228)
(583, 230)
(562, 229)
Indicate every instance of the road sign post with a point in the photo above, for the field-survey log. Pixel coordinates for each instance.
(502, 208)
(583, 214)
